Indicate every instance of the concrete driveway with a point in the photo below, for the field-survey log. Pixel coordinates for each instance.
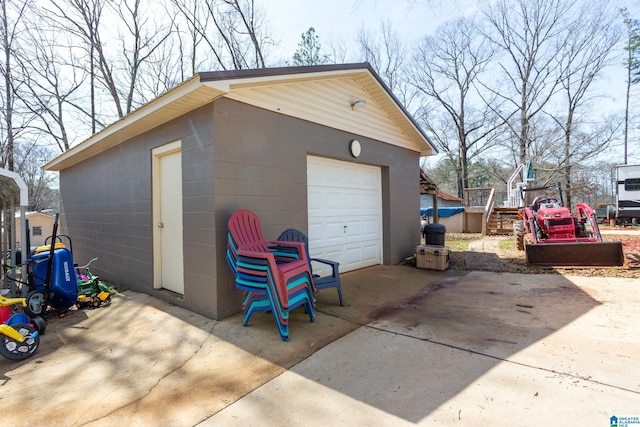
(412, 347)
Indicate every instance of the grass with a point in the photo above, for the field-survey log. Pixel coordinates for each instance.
(115, 289)
(460, 241)
(514, 260)
(507, 245)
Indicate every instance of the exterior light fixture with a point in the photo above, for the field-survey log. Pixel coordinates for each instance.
(355, 148)
(358, 104)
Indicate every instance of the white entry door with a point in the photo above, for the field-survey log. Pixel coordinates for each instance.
(167, 192)
(345, 212)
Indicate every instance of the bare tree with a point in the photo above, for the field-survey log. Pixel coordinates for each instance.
(11, 20)
(167, 66)
(388, 54)
(234, 31)
(585, 53)
(131, 26)
(92, 61)
(187, 36)
(81, 19)
(632, 67)
(528, 32)
(252, 18)
(140, 38)
(40, 183)
(446, 69)
(50, 88)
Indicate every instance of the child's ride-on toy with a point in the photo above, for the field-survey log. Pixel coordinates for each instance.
(91, 291)
(19, 338)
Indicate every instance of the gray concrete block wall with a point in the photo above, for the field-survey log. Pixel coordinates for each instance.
(199, 243)
(107, 209)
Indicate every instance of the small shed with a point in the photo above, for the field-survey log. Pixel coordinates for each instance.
(325, 149)
(40, 226)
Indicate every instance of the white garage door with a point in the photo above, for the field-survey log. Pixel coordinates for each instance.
(345, 212)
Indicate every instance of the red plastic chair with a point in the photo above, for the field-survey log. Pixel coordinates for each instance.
(246, 233)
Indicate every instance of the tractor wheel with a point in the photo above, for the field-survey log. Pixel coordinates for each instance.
(518, 234)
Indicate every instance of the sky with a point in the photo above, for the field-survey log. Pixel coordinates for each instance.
(337, 21)
(340, 20)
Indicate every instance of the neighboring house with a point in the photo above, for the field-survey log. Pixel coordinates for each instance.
(40, 227)
(325, 149)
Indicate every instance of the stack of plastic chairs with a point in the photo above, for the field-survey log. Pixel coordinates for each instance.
(275, 275)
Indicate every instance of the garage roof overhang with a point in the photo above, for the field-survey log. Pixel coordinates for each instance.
(321, 94)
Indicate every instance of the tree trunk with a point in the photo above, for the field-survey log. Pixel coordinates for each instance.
(8, 105)
(524, 125)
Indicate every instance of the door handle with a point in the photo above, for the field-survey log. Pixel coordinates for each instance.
(160, 224)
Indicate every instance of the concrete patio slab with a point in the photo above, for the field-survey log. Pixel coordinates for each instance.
(410, 347)
(373, 377)
(484, 349)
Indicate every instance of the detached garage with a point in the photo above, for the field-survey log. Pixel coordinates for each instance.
(325, 149)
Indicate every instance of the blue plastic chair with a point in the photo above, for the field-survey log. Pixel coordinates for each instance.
(332, 281)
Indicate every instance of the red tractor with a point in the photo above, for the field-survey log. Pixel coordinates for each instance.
(558, 237)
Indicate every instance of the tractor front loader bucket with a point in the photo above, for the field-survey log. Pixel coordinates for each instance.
(578, 254)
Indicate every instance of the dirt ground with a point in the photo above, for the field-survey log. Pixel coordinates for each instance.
(513, 261)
